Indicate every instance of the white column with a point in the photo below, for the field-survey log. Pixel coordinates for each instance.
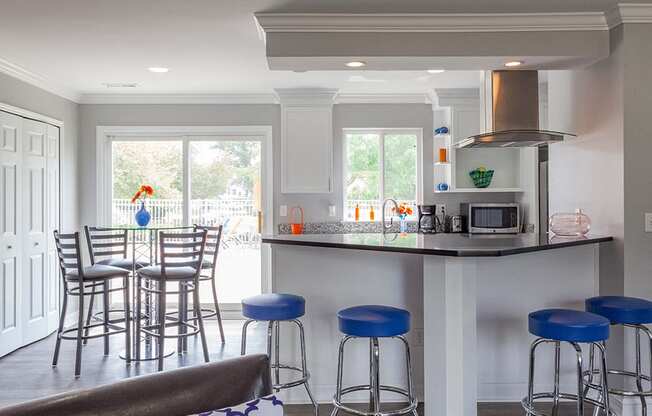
(450, 373)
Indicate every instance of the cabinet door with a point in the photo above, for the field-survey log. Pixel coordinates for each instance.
(10, 245)
(52, 193)
(307, 149)
(34, 276)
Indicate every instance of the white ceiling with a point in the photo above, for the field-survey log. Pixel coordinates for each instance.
(210, 46)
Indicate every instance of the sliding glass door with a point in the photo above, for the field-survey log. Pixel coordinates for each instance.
(206, 180)
(225, 185)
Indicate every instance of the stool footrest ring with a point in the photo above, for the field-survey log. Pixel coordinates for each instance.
(551, 395)
(620, 392)
(366, 387)
(292, 383)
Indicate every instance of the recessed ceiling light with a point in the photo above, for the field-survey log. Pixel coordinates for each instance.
(435, 71)
(158, 69)
(513, 63)
(356, 64)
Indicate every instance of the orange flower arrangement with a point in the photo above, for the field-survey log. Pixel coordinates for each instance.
(403, 210)
(143, 192)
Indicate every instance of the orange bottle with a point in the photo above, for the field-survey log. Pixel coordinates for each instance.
(372, 214)
(357, 212)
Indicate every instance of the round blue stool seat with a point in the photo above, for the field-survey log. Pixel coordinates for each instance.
(621, 309)
(568, 325)
(274, 307)
(374, 321)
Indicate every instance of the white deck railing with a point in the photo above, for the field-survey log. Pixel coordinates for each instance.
(169, 212)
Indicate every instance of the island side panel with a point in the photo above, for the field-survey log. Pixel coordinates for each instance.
(508, 289)
(333, 279)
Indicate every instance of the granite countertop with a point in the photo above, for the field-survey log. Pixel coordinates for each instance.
(456, 245)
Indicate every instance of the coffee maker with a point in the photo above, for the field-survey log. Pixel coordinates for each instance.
(428, 220)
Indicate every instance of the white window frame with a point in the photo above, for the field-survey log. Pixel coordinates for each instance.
(105, 135)
(381, 132)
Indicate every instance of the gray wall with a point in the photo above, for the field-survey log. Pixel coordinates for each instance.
(28, 97)
(605, 169)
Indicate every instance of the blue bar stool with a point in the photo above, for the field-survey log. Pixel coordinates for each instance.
(630, 313)
(276, 308)
(374, 322)
(573, 327)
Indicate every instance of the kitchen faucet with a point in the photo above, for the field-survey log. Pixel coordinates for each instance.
(387, 227)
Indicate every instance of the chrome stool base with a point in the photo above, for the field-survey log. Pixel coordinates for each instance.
(601, 404)
(637, 374)
(273, 334)
(374, 387)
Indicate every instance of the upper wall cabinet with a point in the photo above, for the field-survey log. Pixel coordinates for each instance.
(306, 140)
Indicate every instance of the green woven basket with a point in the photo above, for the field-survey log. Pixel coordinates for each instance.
(481, 178)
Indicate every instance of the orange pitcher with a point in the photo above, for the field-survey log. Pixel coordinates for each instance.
(296, 220)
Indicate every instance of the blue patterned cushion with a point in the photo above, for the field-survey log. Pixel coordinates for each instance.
(265, 406)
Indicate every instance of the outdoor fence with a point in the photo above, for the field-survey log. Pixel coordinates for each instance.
(169, 212)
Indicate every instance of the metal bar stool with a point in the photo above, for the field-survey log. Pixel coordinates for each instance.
(208, 269)
(277, 308)
(181, 258)
(77, 281)
(631, 313)
(374, 322)
(107, 247)
(555, 326)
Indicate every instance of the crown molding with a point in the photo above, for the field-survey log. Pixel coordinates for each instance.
(430, 22)
(373, 98)
(629, 13)
(449, 97)
(178, 99)
(306, 96)
(36, 80)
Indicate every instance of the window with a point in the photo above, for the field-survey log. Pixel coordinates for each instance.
(380, 164)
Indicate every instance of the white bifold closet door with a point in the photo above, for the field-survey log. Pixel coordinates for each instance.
(29, 212)
(11, 335)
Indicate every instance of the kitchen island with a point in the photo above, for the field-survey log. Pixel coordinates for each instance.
(469, 297)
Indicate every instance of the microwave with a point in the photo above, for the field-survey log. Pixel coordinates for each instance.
(498, 218)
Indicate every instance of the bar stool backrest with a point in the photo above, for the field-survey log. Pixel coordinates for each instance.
(68, 251)
(105, 243)
(213, 239)
(182, 250)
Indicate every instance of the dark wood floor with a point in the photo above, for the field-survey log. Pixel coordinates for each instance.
(27, 374)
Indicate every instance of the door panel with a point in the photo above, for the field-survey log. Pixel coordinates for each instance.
(35, 325)
(10, 219)
(52, 203)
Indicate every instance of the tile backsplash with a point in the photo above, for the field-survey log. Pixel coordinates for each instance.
(345, 227)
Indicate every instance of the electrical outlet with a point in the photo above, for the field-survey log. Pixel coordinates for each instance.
(283, 211)
(648, 222)
(441, 215)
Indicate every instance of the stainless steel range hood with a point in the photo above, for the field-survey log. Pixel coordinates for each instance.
(515, 114)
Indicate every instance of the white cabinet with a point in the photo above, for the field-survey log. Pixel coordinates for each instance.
(29, 212)
(306, 140)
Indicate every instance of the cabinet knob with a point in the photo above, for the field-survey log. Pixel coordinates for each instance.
(35, 243)
(9, 247)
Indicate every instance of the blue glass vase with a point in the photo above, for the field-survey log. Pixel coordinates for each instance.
(142, 216)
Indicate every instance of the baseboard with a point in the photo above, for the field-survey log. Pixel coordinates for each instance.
(628, 406)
